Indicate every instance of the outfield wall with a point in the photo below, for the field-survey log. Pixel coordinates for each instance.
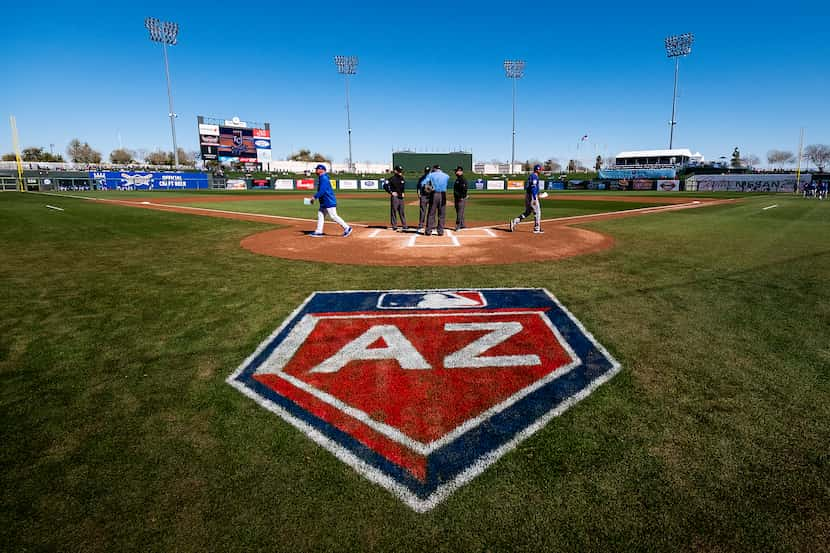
(785, 182)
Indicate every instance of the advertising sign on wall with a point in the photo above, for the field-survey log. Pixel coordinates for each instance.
(515, 185)
(642, 184)
(368, 185)
(131, 180)
(479, 184)
(260, 183)
(747, 183)
(348, 184)
(495, 185)
(283, 184)
(618, 174)
(305, 184)
(668, 185)
(235, 184)
(555, 185)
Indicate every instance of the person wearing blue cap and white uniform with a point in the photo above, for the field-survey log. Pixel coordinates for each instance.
(532, 190)
(328, 204)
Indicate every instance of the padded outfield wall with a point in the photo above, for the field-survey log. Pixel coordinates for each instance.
(415, 162)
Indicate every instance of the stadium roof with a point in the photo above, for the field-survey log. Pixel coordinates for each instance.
(678, 152)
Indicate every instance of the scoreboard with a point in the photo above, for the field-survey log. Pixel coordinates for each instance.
(233, 140)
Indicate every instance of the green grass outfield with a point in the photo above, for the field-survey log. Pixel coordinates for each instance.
(119, 326)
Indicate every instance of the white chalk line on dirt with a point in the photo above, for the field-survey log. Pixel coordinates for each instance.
(187, 207)
(606, 213)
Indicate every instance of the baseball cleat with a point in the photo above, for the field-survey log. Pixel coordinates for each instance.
(538, 231)
(347, 232)
(316, 234)
(512, 225)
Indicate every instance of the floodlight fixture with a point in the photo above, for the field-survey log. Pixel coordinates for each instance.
(514, 70)
(677, 46)
(167, 33)
(347, 65)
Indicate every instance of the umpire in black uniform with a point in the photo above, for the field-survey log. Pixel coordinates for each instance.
(459, 194)
(423, 200)
(395, 187)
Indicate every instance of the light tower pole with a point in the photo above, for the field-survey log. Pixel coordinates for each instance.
(347, 65)
(515, 70)
(166, 33)
(676, 47)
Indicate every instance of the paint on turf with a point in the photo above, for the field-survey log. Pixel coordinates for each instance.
(422, 390)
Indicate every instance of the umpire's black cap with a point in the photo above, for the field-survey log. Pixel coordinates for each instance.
(398, 169)
(426, 169)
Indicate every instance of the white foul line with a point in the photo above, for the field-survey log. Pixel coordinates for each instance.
(374, 233)
(769, 207)
(55, 208)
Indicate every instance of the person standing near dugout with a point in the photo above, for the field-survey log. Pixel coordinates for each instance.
(531, 202)
(459, 195)
(395, 187)
(438, 181)
(328, 203)
(423, 200)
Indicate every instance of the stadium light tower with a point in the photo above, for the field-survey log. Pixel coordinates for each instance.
(514, 69)
(166, 32)
(676, 47)
(347, 65)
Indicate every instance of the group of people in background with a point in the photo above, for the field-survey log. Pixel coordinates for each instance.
(432, 201)
(816, 190)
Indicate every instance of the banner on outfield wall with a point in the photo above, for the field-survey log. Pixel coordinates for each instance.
(305, 184)
(555, 185)
(260, 183)
(235, 184)
(495, 185)
(668, 185)
(642, 184)
(629, 174)
(747, 183)
(515, 185)
(368, 185)
(283, 184)
(479, 184)
(348, 184)
(132, 180)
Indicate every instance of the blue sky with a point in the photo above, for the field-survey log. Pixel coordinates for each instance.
(430, 75)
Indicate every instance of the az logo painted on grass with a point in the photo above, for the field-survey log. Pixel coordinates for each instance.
(420, 391)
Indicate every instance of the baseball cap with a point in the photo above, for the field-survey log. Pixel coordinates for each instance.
(537, 167)
(321, 166)
(436, 166)
(426, 168)
(459, 168)
(398, 168)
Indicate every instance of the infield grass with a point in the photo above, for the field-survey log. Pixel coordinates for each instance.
(118, 327)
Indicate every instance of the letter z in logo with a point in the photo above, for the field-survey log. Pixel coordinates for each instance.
(422, 390)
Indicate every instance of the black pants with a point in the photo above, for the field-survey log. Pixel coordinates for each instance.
(396, 209)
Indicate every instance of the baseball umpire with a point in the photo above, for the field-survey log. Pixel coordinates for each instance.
(395, 187)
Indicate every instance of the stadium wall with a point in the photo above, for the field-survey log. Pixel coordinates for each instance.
(414, 162)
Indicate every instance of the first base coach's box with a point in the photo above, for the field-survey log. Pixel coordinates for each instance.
(422, 390)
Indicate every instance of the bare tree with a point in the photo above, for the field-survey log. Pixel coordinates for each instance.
(750, 160)
(82, 152)
(121, 156)
(818, 154)
(158, 158)
(552, 165)
(598, 164)
(779, 158)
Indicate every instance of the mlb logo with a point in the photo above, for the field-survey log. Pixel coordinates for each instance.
(420, 391)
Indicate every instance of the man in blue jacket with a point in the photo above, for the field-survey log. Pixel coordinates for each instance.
(328, 203)
(437, 180)
(532, 190)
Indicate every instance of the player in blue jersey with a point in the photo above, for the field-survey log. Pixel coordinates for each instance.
(328, 204)
(532, 191)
